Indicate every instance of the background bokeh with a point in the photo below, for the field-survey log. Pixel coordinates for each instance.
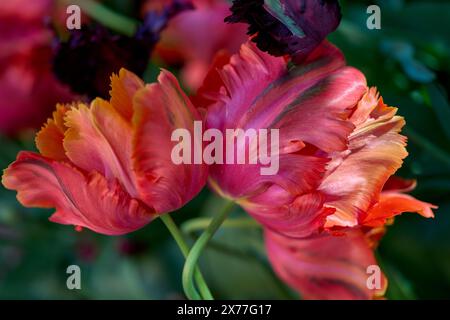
(408, 60)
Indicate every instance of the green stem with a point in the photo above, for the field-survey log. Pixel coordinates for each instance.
(106, 16)
(200, 224)
(428, 146)
(178, 237)
(197, 248)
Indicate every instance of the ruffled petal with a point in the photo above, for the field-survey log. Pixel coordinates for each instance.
(160, 108)
(308, 104)
(49, 140)
(392, 204)
(123, 88)
(356, 176)
(212, 84)
(325, 266)
(86, 200)
(99, 139)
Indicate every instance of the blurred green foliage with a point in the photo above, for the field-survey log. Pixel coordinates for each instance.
(408, 60)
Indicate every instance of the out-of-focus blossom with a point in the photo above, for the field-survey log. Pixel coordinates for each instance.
(193, 38)
(28, 88)
(337, 265)
(93, 53)
(287, 27)
(107, 167)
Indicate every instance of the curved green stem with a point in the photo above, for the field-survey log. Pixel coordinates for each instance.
(106, 16)
(197, 248)
(178, 237)
(200, 224)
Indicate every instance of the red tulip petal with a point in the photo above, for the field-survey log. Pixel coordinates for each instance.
(160, 108)
(261, 93)
(83, 200)
(212, 84)
(399, 184)
(292, 216)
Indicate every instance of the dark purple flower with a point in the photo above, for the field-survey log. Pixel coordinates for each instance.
(86, 61)
(287, 27)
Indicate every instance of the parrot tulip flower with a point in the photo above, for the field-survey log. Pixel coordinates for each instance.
(107, 167)
(339, 143)
(339, 146)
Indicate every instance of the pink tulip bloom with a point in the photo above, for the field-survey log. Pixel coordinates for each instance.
(339, 146)
(28, 88)
(194, 36)
(108, 167)
(339, 143)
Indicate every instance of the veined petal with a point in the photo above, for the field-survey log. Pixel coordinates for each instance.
(260, 87)
(160, 108)
(86, 200)
(325, 266)
(293, 216)
(392, 204)
(356, 176)
(99, 139)
(260, 92)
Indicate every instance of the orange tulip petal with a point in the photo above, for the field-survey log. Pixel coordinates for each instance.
(123, 88)
(99, 139)
(49, 140)
(392, 204)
